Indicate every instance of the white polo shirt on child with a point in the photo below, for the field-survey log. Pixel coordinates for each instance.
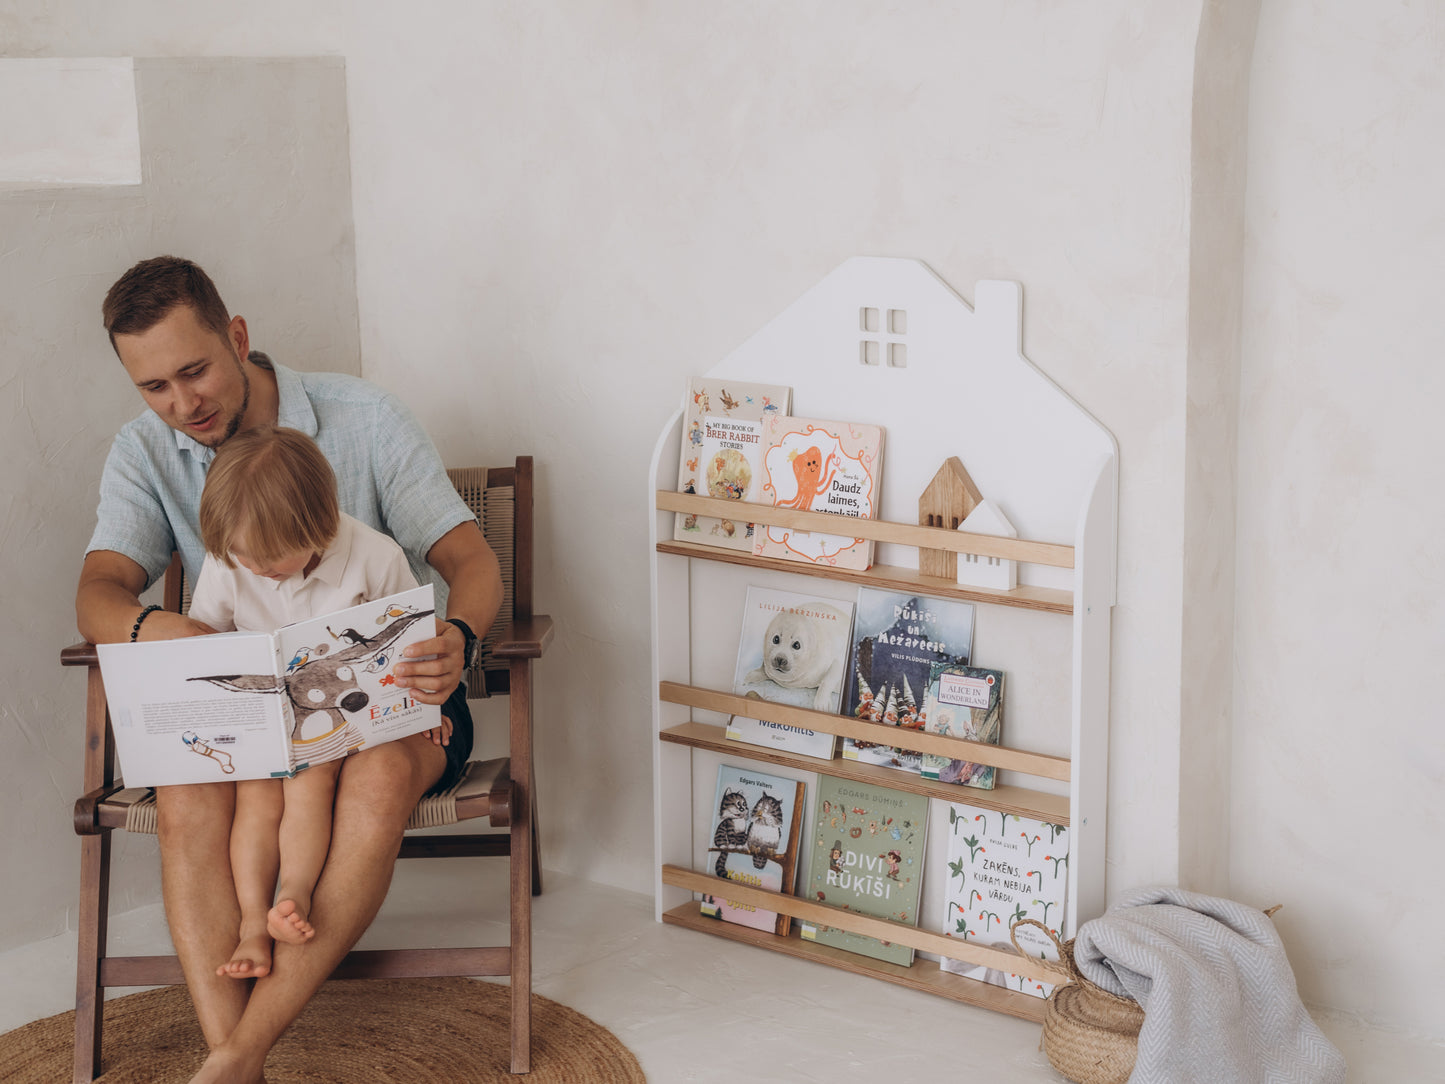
(361, 564)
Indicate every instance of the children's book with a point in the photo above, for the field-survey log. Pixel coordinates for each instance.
(722, 454)
(755, 842)
(966, 702)
(1003, 868)
(257, 705)
(897, 640)
(818, 466)
(793, 649)
(866, 855)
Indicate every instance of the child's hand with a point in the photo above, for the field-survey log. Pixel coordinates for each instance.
(441, 735)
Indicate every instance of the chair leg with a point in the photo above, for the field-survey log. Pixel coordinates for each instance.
(89, 994)
(521, 888)
(536, 852)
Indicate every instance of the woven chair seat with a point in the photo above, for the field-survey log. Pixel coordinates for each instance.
(482, 791)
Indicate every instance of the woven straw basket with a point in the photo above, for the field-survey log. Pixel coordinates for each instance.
(1090, 1035)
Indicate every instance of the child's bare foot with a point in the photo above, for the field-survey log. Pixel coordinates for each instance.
(287, 922)
(251, 960)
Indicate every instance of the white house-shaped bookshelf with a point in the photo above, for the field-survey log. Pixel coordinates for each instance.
(885, 341)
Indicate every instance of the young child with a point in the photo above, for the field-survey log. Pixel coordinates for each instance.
(269, 506)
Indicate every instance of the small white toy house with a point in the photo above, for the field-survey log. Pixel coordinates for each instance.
(994, 572)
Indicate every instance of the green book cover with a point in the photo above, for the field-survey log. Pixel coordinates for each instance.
(866, 855)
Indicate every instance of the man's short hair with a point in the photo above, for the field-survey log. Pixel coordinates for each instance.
(149, 291)
(274, 486)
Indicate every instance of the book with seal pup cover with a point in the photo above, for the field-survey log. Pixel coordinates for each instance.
(793, 649)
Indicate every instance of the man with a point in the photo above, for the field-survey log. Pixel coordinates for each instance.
(192, 363)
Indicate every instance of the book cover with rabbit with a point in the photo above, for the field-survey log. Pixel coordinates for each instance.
(754, 841)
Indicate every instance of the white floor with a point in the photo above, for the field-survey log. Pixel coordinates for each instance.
(698, 1008)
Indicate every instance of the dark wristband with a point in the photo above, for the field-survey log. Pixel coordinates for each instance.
(135, 629)
(469, 643)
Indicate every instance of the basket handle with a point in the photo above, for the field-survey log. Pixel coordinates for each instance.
(1049, 965)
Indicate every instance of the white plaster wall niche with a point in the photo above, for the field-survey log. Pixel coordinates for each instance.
(68, 121)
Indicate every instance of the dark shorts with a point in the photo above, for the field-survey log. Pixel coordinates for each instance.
(459, 749)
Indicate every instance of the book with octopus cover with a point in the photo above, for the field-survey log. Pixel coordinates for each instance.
(1003, 868)
(721, 457)
(898, 638)
(820, 466)
(866, 855)
(259, 705)
(755, 834)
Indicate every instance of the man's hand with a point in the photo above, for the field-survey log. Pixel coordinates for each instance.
(165, 625)
(442, 735)
(432, 680)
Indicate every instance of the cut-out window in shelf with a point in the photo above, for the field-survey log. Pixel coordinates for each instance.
(883, 331)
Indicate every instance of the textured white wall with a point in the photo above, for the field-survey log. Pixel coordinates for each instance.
(246, 169)
(1339, 758)
(562, 211)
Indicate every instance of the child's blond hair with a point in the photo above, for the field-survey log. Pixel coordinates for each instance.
(273, 485)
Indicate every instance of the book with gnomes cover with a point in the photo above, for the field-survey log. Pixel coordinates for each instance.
(1003, 868)
(964, 702)
(818, 466)
(755, 838)
(722, 453)
(898, 638)
(866, 855)
(793, 649)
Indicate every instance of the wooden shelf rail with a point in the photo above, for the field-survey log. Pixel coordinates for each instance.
(879, 530)
(882, 928)
(999, 756)
(1005, 798)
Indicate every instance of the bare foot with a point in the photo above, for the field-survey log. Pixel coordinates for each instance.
(251, 960)
(287, 922)
(224, 1068)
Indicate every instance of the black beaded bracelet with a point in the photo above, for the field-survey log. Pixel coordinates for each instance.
(135, 629)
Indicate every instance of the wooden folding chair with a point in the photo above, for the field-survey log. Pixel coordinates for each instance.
(500, 790)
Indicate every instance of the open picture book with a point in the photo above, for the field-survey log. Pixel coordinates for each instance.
(257, 705)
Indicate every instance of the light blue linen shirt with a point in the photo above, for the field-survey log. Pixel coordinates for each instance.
(388, 475)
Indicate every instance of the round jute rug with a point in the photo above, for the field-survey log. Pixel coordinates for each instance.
(371, 1031)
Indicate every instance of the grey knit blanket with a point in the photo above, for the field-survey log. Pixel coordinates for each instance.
(1219, 997)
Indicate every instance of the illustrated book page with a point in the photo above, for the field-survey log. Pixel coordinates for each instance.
(755, 837)
(1003, 868)
(338, 670)
(257, 705)
(866, 855)
(964, 702)
(793, 649)
(897, 640)
(722, 454)
(820, 466)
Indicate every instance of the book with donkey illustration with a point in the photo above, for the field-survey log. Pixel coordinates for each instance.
(258, 705)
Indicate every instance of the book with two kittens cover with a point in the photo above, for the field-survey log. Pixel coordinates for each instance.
(754, 841)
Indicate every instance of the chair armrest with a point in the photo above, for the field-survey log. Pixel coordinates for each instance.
(525, 639)
(81, 654)
(87, 809)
